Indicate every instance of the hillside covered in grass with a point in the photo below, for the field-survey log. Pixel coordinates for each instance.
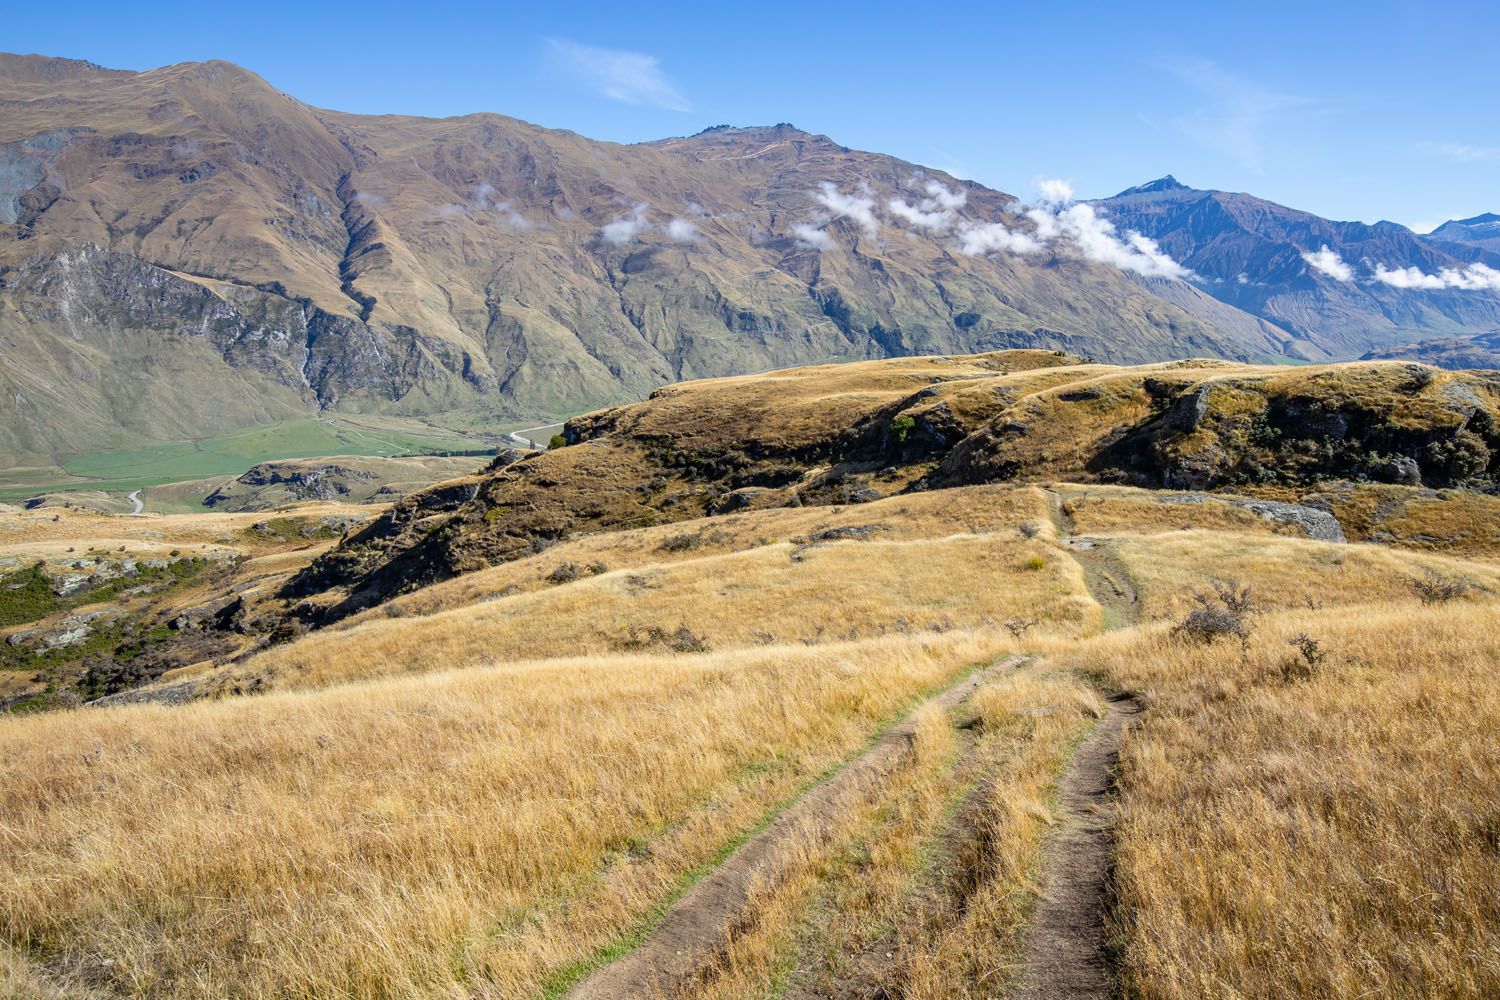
(852, 434)
(930, 678)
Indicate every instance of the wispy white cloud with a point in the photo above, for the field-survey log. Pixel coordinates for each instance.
(1472, 278)
(975, 238)
(1056, 218)
(1460, 152)
(1329, 262)
(482, 201)
(812, 237)
(1236, 113)
(1054, 191)
(628, 228)
(1098, 240)
(936, 212)
(857, 208)
(628, 77)
(681, 231)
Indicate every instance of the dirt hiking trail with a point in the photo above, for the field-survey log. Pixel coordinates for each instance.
(1065, 955)
(1106, 575)
(691, 935)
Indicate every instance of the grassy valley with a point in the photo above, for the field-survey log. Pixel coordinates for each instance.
(161, 464)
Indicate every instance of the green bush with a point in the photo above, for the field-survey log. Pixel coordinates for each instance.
(25, 596)
(901, 427)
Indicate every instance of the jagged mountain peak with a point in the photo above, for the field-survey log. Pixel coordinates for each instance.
(1158, 186)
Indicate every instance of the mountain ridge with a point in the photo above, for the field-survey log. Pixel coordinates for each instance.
(1262, 258)
(481, 268)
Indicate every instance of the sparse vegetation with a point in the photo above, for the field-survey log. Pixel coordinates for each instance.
(1308, 661)
(1435, 588)
(1223, 612)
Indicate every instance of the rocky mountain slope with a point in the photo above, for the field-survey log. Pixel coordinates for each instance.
(1479, 351)
(1481, 231)
(191, 226)
(1346, 286)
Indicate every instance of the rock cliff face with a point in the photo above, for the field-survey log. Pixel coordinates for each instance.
(192, 232)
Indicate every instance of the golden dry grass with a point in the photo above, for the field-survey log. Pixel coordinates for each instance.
(1325, 837)
(51, 526)
(435, 835)
(1284, 572)
(1123, 510)
(1459, 522)
(903, 896)
(493, 822)
(780, 593)
(919, 516)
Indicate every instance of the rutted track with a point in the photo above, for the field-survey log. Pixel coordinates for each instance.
(1065, 955)
(694, 930)
(1107, 578)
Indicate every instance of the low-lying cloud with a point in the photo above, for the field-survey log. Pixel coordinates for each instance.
(936, 212)
(482, 202)
(1056, 216)
(1327, 261)
(1472, 278)
(812, 238)
(975, 239)
(857, 208)
(627, 229)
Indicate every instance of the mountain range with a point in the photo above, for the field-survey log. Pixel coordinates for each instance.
(1346, 287)
(188, 251)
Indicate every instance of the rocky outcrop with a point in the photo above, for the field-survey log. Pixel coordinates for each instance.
(1310, 521)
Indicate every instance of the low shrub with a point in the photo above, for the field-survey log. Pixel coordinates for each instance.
(1434, 588)
(1224, 612)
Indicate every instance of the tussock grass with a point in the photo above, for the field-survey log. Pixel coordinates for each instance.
(920, 516)
(1325, 837)
(1283, 572)
(922, 890)
(780, 593)
(460, 833)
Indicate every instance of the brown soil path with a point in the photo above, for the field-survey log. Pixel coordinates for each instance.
(694, 930)
(1066, 954)
(937, 900)
(1106, 576)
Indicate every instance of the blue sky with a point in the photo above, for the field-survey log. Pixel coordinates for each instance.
(1350, 110)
